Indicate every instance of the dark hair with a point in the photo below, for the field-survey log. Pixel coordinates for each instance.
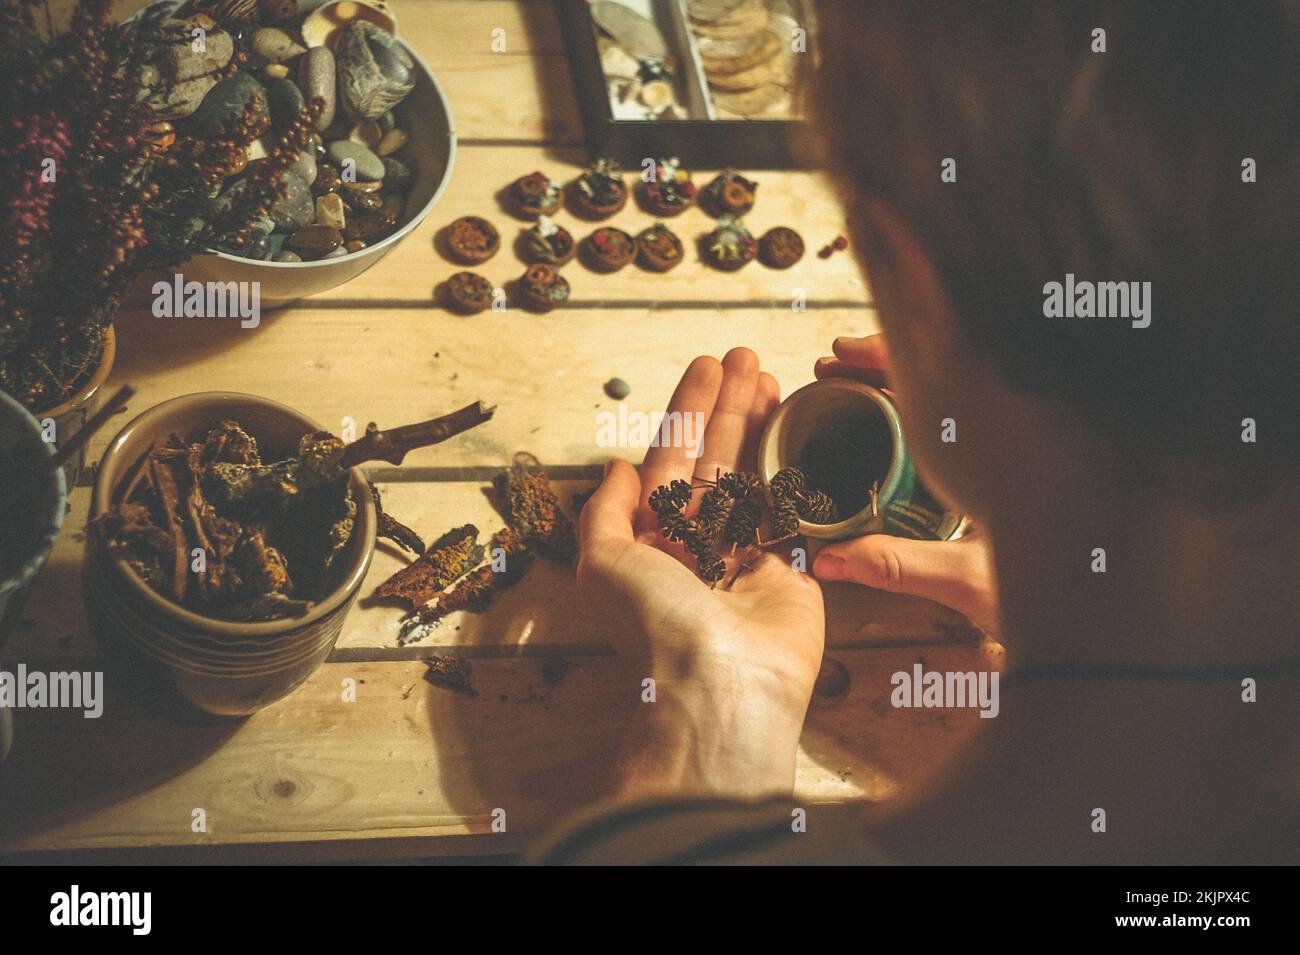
(1123, 165)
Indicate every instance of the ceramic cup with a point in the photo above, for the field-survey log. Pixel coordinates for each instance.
(847, 436)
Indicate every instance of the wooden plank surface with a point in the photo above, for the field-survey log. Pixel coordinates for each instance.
(408, 760)
(408, 768)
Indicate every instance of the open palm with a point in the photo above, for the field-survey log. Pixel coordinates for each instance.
(746, 655)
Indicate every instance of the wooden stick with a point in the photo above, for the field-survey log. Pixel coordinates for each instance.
(394, 444)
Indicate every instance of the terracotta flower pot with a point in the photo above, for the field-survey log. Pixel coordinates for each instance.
(70, 416)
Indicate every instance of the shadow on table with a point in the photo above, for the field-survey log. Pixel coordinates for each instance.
(147, 345)
(64, 766)
(556, 695)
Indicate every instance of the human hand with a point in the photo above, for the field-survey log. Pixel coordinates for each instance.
(734, 668)
(958, 574)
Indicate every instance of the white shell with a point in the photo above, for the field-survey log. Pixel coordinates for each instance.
(321, 28)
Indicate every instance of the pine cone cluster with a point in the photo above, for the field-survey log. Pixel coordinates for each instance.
(732, 512)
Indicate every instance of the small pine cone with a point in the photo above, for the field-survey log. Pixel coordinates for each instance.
(713, 570)
(676, 527)
(740, 486)
(818, 508)
(742, 524)
(680, 491)
(715, 505)
(788, 482)
(701, 547)
(785, 518)
(661, 499)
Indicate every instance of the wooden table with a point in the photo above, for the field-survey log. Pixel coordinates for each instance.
(409, 769)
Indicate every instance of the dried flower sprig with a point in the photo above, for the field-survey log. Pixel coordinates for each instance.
(95, 187)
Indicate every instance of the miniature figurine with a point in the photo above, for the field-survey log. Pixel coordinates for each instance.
(658, 248)
(543, 287)
(670, 192)
(780, 247)
(729, 246)
(549, 242)
(535, 195)
(599, 192)
(728, 194)
(472, 240)
(608, 249)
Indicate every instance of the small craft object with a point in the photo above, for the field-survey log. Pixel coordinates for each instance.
(658, 248)
(670, 192)
(549, 242)
(729, 193)
(730, 246)
(608, 249)
(599, 192)
(472, 240)
(469, 293)
(535, 195)
(322, 26)
(727, 19)
(780, 248)
(631, 31)
(228, 13)
(543, 287)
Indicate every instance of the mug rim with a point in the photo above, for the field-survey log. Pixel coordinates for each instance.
(855, 523)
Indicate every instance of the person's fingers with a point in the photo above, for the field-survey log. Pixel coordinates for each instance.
(958, 574)
(767, 395)
(608, 513)
(727, 426)
(866, 352)
(683, 428)
(829, 367)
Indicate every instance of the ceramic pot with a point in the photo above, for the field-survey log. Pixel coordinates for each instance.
(219, 666)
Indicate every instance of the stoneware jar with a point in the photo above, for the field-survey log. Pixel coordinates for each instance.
(220, 666)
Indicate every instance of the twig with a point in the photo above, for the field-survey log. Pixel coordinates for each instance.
(106, 411)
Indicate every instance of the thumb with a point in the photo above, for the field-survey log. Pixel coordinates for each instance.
(609, 511)
(954, 573)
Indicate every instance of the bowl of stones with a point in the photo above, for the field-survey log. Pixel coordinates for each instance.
(384, 146)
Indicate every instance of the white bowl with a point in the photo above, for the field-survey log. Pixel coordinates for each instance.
(430, 151)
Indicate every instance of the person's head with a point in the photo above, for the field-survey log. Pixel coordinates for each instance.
(988, 149)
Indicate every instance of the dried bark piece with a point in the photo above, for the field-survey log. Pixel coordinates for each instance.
(450, 673)
(535, 512)
(475, 591)
(390, 528)
(448, 559)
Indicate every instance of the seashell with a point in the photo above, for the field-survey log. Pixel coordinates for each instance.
(229, 13)
(321, 27)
